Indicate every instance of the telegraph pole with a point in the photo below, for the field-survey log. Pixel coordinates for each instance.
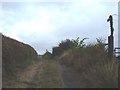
(110, 38)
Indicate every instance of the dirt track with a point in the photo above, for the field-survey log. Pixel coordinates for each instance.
(36, 77)
(71, 78)
(30, 77)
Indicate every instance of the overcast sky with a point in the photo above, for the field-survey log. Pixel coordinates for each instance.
(43, 24)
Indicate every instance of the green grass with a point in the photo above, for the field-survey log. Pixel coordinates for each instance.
(50, 76)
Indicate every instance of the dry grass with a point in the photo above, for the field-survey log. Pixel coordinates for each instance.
(103, 75)
(24, 78)
(93, 64)
(16, 56)
(50, 75)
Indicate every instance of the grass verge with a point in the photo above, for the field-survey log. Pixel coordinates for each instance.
(50, 76)
(24, 78)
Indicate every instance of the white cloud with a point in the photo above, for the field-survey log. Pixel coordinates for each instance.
(39, 23)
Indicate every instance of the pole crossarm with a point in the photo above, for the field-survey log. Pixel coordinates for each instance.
(117, 48)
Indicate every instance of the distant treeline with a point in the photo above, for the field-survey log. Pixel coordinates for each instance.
(16, 56)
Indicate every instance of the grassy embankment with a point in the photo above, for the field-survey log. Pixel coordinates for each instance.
(92, 62)
(16, 56)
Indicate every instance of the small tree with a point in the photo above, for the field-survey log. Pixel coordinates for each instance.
(70, 44)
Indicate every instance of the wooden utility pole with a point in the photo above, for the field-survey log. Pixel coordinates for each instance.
(110, 38)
